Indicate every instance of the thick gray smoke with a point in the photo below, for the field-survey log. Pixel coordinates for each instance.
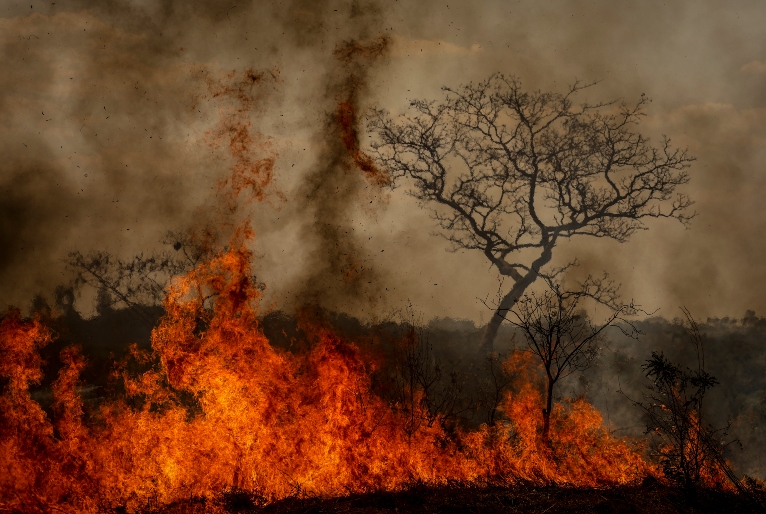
(122, 120)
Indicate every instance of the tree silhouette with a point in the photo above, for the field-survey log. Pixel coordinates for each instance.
(138, 283)
(560, 334)
(512, 173)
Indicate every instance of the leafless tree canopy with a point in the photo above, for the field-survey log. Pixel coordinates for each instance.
(138, 283)
(511, 173)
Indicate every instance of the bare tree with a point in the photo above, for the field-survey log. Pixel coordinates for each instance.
(561, 335)
(511, 173)
(137, 284)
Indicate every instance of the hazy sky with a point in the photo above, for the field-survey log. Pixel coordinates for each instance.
(115, 124)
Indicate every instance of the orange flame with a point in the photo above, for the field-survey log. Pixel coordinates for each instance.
(260, 419)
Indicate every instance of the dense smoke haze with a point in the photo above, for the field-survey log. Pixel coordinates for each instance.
(140, 128)
(112, 137)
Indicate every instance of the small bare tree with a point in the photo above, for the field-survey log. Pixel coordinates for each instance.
(512, 173)
(558, 331)
(139, 283)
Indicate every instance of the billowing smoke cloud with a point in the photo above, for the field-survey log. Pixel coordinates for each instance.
(140, 120)
(89, 112)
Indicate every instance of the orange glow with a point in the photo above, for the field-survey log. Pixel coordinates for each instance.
(347, 122)
(267, 421)
(354, 56)
(238, 97)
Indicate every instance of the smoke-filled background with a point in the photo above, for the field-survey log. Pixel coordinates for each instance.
(119, 119)
(114, 131)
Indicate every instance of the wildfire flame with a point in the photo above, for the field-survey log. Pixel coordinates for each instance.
(264, 420)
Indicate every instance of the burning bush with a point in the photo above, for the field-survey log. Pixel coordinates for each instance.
(690, 449)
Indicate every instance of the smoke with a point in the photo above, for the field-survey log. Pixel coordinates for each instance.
(28, 228)
(144, 112)
(731, 353)
(93, 127)
(121, 92)
(78, 164)
(340, 271)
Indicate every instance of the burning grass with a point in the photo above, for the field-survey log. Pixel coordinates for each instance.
(271, 424)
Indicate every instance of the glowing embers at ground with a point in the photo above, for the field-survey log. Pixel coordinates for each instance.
(215, 406)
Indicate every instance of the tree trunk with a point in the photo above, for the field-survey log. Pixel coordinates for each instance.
(506, 304)
(547, 412)
(510, 299)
